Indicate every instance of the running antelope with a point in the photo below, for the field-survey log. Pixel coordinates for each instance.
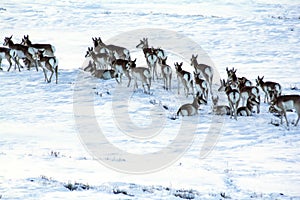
(185, 78)
(271, 89)
(8, 54)
(191, 109)
(284, 103)
(205, 70)
(47, 63)
(166, 73)
(201, 85)
(247, 110)
(100, 59)
(219, 109)
(120, 67)
(140, 73)
(21, 51)
(119, 52)
(48, 48)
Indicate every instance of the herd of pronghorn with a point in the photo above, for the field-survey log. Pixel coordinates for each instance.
(112, 62)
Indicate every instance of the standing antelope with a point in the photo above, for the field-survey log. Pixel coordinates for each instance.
(100, 59)
(47, 63)
(166, 72)
(120, 52)
(8, 54)
(233, 96)
(48, 48)
(140, 73)
(185, 78)
(144, 46)
(120, 67)
(205, 70)
(152, 59)
(219, 109)
(271, 89)
(284, 103)
(21, 50)
(201, 85)
(191, 109)
(247, 110)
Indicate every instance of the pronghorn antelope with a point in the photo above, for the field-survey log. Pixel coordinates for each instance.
(100, 59)
(201, 85)
(247, 110)
(219, 109)
(271, 89)
(103, 73)
(21, 51)
(152, 60)
(233, 96)
(284, 103)
(119, 52)
(185, 78)
(48, 48)
(140, 73)
(166, 73)
(144, 46)
(235, 81)
(8, 54)
(191, 109)
(47, 63)
(205, 70)
(97, 47)
(120, 67)
(160, 53)
(249, 91)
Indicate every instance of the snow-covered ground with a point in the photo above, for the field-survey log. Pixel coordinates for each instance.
(43, 151)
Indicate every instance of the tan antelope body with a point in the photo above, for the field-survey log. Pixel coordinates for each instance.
(205, 70)
(48, 48)
(166, 73)
(48, 63)
(271, 89)
(141, 74)
(8, 54)
(233, 96)
(287, 102)
(119, 52)
(121, 67)
(98, 48)
(185, 78)
(21, 51)
(201, 85)
(152, 60)
(219, 109)
(191, 109)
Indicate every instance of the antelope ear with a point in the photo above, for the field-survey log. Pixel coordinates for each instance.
(262, 77)
(196, 56)
(181, 63)
(134, 60)
(10, 36)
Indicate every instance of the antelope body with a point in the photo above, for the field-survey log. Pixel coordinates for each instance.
(183, 77)
(219, 109)
(48, 48)
(121, 67)
(205, 70)
(271, 89)
(166, 73)
(201, 85)
(191, 109)
(140, 74)
(100, 59)
(287, 102)
(247, 110)
(8, 54)
(120, 52)
(248, 91)
(47, 63)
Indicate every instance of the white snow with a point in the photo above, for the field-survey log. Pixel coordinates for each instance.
(41, 150)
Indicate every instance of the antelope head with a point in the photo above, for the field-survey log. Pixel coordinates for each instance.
(89, 51)
(7, 40)
(178, 66)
